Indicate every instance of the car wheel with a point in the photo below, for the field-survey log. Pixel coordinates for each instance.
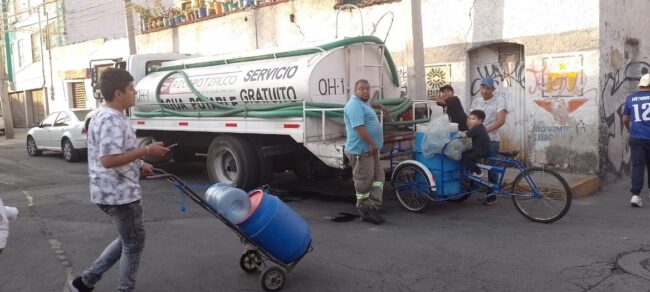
(32, 150)
(69, 153)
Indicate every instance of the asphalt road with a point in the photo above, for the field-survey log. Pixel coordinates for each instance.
(452, 247)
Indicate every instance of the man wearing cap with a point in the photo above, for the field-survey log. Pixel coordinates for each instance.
(495, 109)
(453, 107)
(636, 118)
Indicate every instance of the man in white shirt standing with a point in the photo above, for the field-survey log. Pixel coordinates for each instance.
(495, 109)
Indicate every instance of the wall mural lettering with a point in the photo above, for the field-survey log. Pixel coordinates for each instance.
(561, 85)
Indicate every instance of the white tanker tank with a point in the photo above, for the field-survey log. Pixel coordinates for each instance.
(324, 74)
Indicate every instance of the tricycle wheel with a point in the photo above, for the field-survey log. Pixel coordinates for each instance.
(250, 261)
(541, 195)
(411, 187)
(272, 279)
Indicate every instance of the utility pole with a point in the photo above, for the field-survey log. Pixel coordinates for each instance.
(130, 34)
(4, 95)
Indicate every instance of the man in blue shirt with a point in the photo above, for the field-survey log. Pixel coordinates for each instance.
(365, 138)
(636, 118)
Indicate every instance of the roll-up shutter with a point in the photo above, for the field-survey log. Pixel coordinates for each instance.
(78, 95)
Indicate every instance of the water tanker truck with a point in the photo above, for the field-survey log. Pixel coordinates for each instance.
(260, 112)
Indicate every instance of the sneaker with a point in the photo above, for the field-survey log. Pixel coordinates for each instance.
(490, 200)
(77, 285)
(636, 201)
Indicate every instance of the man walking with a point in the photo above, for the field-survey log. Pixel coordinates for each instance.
(114, 168)
(495, 109)
(365, 138)
(636, 118)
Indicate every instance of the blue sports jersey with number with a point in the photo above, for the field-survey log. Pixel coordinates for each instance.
(637, 106)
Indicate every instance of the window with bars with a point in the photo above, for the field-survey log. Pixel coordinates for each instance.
(21, 53)
(36, 47)
(78, 95)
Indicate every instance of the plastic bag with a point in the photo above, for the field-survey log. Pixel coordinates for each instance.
(455, 148)
(436, 136)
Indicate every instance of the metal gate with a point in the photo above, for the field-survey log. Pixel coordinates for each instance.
(18, 114)
(38, 105)
(510, 80)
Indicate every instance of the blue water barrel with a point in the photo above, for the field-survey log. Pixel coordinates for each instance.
(278, 229)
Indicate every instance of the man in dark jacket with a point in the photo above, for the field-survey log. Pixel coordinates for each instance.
(453, 107)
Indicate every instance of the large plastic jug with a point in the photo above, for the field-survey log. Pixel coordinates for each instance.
(232, 203)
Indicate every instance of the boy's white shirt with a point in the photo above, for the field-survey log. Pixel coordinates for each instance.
(4, 222)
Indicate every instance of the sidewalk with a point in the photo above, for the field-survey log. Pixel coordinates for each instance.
(581, 185)
(20, 134)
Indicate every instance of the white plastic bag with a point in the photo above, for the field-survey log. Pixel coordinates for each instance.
(436, 136)
(455, 148)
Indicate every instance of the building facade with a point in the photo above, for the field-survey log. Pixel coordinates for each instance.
(564, 67)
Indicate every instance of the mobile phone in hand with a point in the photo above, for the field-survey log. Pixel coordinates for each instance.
(173, 145)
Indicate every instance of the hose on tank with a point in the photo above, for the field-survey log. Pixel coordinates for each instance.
(395, 106)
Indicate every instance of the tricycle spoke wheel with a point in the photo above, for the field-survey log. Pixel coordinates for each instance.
(411, 187)
(544, 197)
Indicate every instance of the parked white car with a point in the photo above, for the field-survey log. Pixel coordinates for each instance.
(2, 125)
(61, 131)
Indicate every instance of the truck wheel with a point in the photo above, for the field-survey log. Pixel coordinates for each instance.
(232, 160)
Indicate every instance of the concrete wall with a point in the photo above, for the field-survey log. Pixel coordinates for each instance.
(70, 62)
(551, 86)
(624, 57)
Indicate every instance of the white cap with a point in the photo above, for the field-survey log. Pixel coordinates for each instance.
(645, 80)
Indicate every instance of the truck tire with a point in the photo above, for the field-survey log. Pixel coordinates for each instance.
(233, 160)
(265, 166)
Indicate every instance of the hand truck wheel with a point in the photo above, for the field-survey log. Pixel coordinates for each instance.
(272, 279)
(250, 261)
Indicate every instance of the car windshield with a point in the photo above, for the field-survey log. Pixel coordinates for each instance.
(81, 114)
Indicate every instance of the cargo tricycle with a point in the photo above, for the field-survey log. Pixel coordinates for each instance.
(539, 193)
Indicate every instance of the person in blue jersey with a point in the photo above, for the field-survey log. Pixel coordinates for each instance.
(364, 140)
(636, 118)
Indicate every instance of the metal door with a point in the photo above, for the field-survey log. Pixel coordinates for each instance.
(505, 64)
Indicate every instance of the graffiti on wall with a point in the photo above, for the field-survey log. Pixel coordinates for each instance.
(621, 81)
(560, 86)
(436, 77)
(505, 75)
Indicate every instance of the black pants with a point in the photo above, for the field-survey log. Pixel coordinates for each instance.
(470, 158)
(640, 158)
